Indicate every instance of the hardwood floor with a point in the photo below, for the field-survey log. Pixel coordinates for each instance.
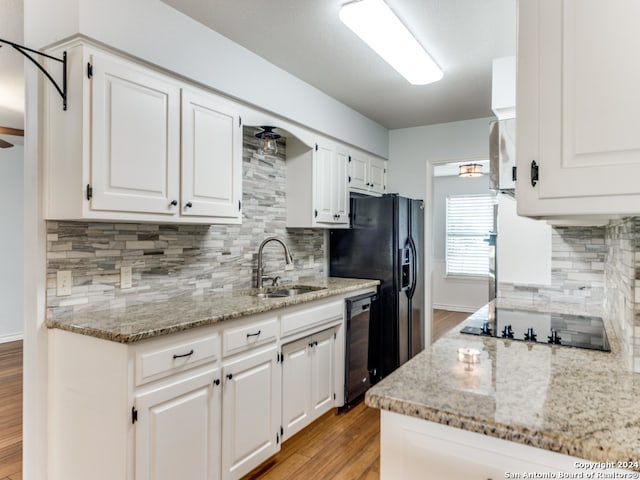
(11, 411)
(445, 320)
(343, 446)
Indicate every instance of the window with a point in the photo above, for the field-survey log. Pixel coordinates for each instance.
(469, 221)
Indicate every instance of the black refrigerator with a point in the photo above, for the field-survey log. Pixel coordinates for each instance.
(386, 242)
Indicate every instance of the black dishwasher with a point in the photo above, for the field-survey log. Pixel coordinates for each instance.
(359, 369)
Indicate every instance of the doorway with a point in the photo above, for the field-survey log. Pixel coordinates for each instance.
(452, 291)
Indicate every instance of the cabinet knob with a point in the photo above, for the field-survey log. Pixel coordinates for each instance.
(174, 202)
(188, 205)
(229, 376)
(216, 381)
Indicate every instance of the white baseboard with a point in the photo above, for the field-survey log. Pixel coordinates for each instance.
(11, 337)
(455, 308)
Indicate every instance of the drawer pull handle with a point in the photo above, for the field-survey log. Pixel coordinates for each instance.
(183, 355)
(254, 334)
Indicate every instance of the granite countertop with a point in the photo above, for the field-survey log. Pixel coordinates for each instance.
(138, 322)
(583, 403)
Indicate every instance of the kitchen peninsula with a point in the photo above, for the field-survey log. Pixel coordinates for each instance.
(451, 419)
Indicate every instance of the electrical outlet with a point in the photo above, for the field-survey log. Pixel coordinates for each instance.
(63, 283)
(125, 277)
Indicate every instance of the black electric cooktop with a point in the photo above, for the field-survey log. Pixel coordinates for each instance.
(538, 327)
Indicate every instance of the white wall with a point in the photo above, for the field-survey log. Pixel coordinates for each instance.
(524, 247)
(11, 253)
(159, 34)
(454, 293)
(411, 148)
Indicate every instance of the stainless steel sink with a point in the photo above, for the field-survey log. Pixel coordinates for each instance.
(280, 292)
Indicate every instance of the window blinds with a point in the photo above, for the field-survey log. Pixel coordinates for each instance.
(469, 221)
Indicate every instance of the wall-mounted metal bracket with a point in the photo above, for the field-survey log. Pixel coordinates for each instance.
(25, 51)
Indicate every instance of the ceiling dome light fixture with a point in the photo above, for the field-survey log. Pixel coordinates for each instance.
(470, 170)
(375, 23)
(268, 144)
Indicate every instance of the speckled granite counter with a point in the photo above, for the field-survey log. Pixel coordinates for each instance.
(138, 322)
(578, 402)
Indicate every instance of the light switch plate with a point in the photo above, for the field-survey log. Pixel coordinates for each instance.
(125, 277)
(64, 282)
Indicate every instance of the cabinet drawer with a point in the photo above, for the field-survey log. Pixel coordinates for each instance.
(170, 358)
(310, 317)
(239, 338)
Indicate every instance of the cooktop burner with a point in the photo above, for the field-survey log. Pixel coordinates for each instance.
(541, 327)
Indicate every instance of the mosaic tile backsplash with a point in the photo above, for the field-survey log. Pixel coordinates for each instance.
(170, 260)
(594, 267)
(622, 281)
(578, 256)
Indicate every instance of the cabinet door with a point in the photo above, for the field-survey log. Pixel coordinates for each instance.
(322, 368)
(135, 138)
(178, 429)
(296, 386)
(377, 175)
(359, 171)
(340, 186)
(578, 99)
(324, 178)
(211, 157)
(251, 411)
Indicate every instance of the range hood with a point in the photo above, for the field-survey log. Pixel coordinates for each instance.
(502, 156)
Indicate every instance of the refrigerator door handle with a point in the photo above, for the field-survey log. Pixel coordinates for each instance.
(414, 268)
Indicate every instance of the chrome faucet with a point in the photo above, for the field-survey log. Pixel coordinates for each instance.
(287, 258)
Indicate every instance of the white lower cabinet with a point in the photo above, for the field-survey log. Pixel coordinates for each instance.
(250, 411)
(308, 386)
(322, 372)
(296, 387)
(209, 403)
(178, 428)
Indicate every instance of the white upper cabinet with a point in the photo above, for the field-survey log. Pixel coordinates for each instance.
(211, 156)
(332, 196)
(135, 138)
(367, 174)
(317, 188)
(115, 154)
(578, 103)
(377, 175)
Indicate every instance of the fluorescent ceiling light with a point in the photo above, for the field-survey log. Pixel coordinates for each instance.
(375, 23)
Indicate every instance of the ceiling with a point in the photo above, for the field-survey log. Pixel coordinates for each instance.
(11, 69)
(307, 39)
